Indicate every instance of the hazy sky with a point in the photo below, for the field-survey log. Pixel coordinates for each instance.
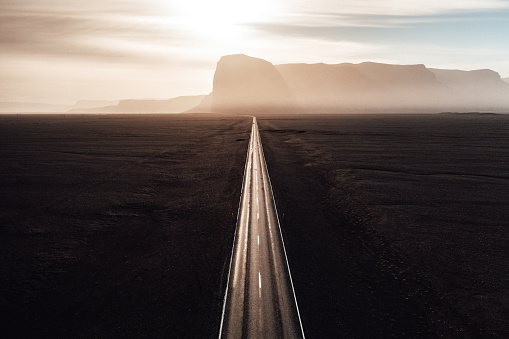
(60, 51)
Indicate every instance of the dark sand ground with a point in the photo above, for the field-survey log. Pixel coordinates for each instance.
(117, 226)
(121, 226)
(395, 225)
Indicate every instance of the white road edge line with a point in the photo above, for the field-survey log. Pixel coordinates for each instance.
(235, 235)
(280, 234)
(282, 240)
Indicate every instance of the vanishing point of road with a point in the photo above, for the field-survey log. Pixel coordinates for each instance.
(260, 299)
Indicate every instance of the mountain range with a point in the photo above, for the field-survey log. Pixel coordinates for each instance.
(244, 84)
(247, 85)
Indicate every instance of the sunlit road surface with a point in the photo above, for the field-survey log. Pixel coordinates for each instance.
(260, 299)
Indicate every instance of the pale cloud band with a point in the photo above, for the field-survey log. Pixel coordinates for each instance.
(393, 7)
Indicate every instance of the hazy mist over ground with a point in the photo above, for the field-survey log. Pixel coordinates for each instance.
(244, 84)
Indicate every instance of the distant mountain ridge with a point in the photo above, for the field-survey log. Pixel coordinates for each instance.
(244, 84)
(31, 107)
(175, 105)
(87, 104)
(247, 85)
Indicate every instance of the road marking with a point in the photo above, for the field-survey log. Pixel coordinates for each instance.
(247, 166)
(276, 313)
(284, 249)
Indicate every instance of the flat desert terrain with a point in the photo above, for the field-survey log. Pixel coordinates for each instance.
(122, 225)
(395, 225)
(117, 226)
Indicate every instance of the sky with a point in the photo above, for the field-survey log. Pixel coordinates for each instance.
(61, 51)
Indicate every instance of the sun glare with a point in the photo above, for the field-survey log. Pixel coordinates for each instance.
(221, 20)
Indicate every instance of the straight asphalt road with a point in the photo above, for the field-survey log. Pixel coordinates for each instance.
(260, 299)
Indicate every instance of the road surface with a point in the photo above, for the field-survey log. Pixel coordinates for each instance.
(260, 299)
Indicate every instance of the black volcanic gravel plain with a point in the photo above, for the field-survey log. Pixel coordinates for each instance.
(117, 225)
(395, 225)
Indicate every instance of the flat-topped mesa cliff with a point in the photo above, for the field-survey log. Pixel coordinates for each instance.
(365, 87)
(478, 90)
(244, 84)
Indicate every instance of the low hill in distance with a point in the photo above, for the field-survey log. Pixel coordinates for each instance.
(244, 84)
(88, 104)
(175, 105)
(33, 107)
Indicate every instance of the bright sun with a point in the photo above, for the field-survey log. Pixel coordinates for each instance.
(221, 20)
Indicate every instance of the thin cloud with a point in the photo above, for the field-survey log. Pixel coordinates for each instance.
(393, 7)
(444, 30)
(83, 31)
(91, 7)
(395, 13)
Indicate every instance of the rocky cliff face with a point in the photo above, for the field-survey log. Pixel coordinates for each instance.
(366, 87)
(244, 84)
(479, 90)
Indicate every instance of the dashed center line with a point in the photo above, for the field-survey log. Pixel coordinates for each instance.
(275, 313)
